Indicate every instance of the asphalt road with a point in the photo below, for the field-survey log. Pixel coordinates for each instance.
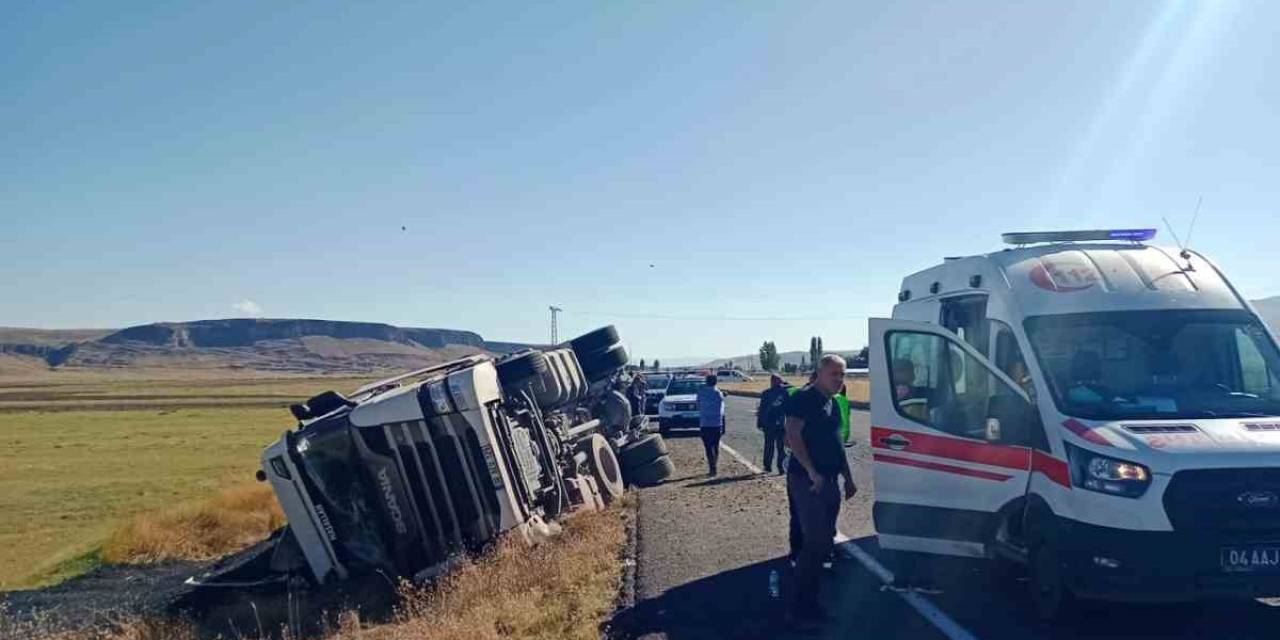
(707, 549)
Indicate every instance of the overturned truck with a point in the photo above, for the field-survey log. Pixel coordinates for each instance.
(410, 473)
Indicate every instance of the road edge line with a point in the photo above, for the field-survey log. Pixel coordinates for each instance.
(923, 606)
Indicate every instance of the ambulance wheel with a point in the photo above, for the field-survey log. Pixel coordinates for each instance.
(1050, 595)
(594, 341)
(642, 451)
(596, 366)
(652, 472)
(604, 467)
(516, 369)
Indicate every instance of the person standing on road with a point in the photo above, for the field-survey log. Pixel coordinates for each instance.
(817, 460)
(769, 419)
(635, 394)
(795, 536)
(711, 420)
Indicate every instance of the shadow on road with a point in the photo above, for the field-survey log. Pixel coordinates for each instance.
(712, 482)
(996, 604)
(731, 604)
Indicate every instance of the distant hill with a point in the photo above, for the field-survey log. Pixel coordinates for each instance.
(260, 345)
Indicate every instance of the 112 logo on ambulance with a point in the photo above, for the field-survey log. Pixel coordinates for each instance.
(1064, 273)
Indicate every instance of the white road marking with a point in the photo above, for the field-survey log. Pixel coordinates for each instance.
(925, 607)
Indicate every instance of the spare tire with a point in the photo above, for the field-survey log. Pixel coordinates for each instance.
(602, 363)
(604, 467)
(594, 341)
(642, 451)
(519, 368)
(652, 472)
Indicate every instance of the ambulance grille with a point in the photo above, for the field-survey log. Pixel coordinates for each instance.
(1160, 428)
(1262, 426)
(1211, 500)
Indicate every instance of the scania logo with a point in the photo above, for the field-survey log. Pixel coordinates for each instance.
(393, 506)
(1258, 499)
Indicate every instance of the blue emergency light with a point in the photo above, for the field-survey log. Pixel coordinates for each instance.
(1032, 237)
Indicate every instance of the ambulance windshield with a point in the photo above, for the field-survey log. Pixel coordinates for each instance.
(1160, 364)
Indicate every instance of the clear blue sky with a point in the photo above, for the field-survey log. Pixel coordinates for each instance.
(781, 165)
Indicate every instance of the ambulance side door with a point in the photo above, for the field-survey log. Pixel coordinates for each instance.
(949, 436)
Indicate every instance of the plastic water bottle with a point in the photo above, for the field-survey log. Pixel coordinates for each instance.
(773, 584)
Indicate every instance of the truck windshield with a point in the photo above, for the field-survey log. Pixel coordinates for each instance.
(1158, 364)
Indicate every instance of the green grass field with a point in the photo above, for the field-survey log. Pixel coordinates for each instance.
(80, 458)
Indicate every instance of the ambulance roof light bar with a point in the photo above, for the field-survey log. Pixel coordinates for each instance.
(1033, 237)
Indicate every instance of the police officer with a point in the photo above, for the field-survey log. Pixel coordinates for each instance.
(769, 420)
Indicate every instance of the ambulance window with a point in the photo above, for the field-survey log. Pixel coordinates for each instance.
(966, 316)
(1009, 357)
(1255, 377)
(936, 383)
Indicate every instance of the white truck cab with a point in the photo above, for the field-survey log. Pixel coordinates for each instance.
(1104, 411)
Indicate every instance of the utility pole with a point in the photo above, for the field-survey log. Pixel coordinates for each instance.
(554, 338)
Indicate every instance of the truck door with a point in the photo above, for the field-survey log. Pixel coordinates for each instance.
(949, 437)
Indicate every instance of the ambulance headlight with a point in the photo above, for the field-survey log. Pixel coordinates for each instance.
(1107, 475)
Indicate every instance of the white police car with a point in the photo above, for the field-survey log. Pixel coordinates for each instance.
(679, 408)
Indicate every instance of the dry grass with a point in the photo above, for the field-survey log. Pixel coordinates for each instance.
(566, 588)
(563, 588)
(233, 519)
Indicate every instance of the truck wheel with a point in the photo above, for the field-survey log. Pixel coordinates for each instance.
(1050, 595)
(642, 451)
(594, 341)
(518, 368)
(604, 467)
(652, 472)
(602, 363)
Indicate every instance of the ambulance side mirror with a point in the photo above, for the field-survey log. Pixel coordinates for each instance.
(1009, 420)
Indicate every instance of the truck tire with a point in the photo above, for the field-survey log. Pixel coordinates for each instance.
(594, 341)
(602, 363)
(652, 472)
(519, 368)
(604, 467)
(642, 451)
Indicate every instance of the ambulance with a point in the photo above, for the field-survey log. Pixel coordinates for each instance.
(1100, 410)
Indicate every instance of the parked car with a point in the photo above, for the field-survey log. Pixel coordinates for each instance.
(733, 375)
(656, 389)
(679, 408)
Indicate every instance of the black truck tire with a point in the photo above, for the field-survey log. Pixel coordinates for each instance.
(652, 472)
(642, 451)
(594, 341)
(604, 467)
(520, 367)
(596, 366)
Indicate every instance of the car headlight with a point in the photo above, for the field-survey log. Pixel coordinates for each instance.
(1107, 475)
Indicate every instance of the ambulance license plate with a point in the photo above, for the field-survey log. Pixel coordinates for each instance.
(1251, 559)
